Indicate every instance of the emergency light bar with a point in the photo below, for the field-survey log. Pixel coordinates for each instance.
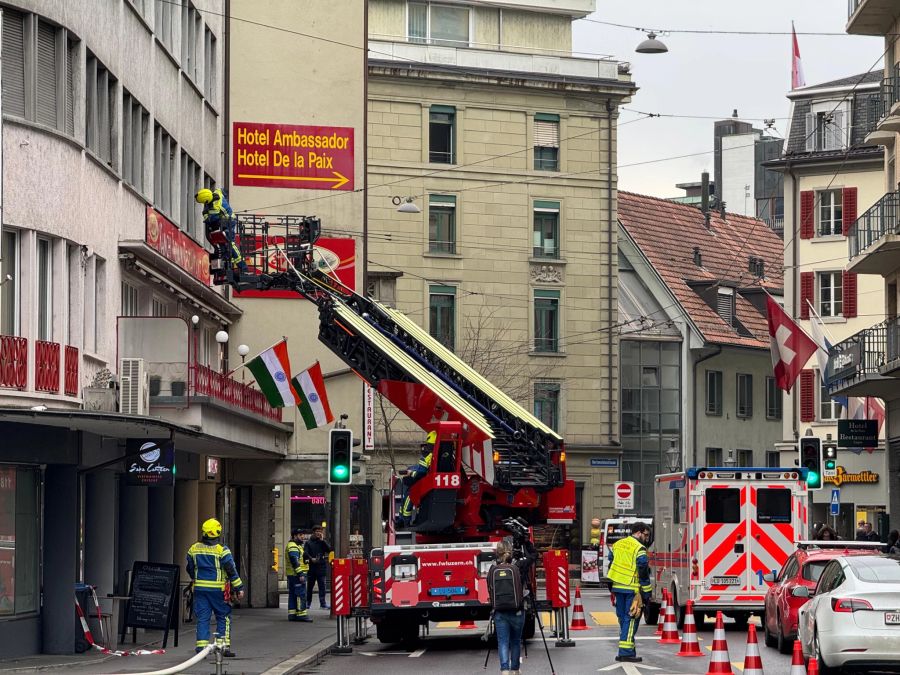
(856, 545)
(732, 473)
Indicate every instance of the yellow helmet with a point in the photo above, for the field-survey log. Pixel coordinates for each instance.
(211, 528)
(431, 437)
(204, 196)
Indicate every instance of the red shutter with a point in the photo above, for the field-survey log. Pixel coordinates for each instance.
(807, 292)
(807, 395)
(807, 214)
(849, 209)
(849, 293)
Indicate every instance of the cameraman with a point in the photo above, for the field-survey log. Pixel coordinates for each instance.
(509, 614)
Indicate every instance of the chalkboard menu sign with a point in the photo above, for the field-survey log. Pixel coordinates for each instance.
(150, 462)
(153, 598)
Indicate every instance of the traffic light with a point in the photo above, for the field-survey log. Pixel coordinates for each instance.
(829, 454)
(811, 460)
(340, 457)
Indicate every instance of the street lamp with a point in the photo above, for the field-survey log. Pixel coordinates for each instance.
(651, 45)
(673, 456)
(222, 339)
(243, 350)
(730, 461)
(405, 204)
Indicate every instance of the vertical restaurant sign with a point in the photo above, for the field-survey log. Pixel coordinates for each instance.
(150, 462)
(292, 156)
(164, 237)
(369, 413)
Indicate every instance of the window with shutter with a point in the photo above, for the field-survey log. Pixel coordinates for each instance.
(849, 295)
(835, 139)
(45, 81)
(725, 305)
(546, 142)
(807, 292)
(810, 139)
(13, 63)
(807, 214)
(70, 87)
(807, 396)
(849, 197)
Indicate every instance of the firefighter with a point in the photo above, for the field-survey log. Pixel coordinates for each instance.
(629, 573)
(297, 567)
(415, 473)
(218, 215)
(210, 565)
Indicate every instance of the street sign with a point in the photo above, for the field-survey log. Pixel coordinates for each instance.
(857, 433)
(835, 501)
(624, 493)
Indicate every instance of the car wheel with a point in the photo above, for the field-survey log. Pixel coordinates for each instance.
(824, 669)
(771, 640)
(784, 645)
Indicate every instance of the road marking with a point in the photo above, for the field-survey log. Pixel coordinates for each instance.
(410, 655)
(627, 668)
(605, 618)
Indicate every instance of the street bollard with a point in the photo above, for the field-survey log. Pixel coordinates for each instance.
(359, 579)
(556, 578)
(220, 653)
(341, 604)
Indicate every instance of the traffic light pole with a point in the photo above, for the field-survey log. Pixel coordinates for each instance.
(340, 499)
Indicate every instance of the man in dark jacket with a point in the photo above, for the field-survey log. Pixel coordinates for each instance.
(317, 550)
(509, 623)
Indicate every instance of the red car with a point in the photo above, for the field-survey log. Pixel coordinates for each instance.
(803, 568)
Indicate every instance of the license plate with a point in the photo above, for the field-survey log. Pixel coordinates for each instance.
(448, 590)
(725, 581)
(892, 618)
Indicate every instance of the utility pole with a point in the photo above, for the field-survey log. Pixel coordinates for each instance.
(340, 498)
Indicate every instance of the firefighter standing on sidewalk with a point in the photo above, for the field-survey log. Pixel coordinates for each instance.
(210, 565)
(297, 567)
(629, 572)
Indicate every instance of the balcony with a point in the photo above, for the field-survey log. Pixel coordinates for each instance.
(874, 238)
(856, 365)
(13, 362)
(870, 17)
(221, 387)
(55, 368)
(776, 224)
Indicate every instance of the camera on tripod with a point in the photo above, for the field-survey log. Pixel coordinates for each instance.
(519, 529)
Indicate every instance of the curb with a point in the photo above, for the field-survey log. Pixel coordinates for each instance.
(311, 656)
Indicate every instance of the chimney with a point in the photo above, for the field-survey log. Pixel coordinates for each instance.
(698, 258)
(704, 197)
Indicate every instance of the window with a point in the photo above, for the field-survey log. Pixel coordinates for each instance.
(723, 505)
(831, 212)
(745, 457)
(9, 283)
(546, 320)
(789, 571)
(714, 457)
(831, 297)
(100, 88)
(714, 392)
(441, 134)
(163, 169)
(773, 459)
(209, 65)
(812, 571)
(825, 128)
(438, 24)
(190, 37)
(773, 505)
(725, 305)
(130, 301)
(774, 400)
(546, 403)
(744, 407)
(190, 183)
(442, 224)
(45, 290)
(442, 314)
(99, 299)
(164, 23)
(829, 409)
(873, 570)
(159, 308)
(383, 288)
(546, 142)
(19, 540)
(546, 229)
(135, 123)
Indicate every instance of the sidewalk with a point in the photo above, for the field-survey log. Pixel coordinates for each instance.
(261, 638)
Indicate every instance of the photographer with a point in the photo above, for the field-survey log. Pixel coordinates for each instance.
(506, 586)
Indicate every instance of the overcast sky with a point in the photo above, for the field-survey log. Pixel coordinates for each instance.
(714, 74)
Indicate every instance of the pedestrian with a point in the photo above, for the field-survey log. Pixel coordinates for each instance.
(870, 534)
(826, 533)
(893, 543)
(209, 564)
(296, 567)
(861, 531)
(506, 588)
(317, 550)
(629, 573)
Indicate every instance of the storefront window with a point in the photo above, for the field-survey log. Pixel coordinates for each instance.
(19, 532)
(311, 506)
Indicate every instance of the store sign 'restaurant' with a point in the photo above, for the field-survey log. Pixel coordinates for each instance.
(842, 476)
(163, 236)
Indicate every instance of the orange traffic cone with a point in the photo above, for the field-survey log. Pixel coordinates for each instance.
(690, 645)
(798, 665)
(466, 624)
(662, 612)
(752, 660)
(578, 622)
(670, 628)
(720, 662)
(813, 666)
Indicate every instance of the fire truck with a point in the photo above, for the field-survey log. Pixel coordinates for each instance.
(719, 531)
(492, 459)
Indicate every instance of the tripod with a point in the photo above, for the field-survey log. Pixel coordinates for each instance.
(530, 609)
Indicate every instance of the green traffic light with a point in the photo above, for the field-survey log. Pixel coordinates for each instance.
(830, 464)
(339, 472)
(812, 478)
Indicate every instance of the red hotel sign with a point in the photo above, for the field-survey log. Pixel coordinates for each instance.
(292, 156)
(163, 236)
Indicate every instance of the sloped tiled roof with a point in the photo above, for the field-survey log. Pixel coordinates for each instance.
(667, 233)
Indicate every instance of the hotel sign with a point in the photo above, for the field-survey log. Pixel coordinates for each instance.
(843, 364)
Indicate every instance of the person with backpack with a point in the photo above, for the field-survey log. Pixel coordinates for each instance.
(629, 572)
(506, 587)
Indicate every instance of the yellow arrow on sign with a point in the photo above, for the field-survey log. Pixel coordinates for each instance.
(339, 180)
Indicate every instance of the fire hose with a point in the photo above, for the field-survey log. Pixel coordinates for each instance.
(196, 658)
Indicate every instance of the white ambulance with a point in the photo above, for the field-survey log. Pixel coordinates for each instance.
(719, 531)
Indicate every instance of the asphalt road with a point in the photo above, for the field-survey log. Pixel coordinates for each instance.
(450, 651)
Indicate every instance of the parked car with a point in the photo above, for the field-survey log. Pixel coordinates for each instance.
(853, 618)
(802, 569)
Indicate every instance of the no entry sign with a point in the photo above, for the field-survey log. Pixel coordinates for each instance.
(624, 494)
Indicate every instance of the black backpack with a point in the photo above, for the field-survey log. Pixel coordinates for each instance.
(505, 587)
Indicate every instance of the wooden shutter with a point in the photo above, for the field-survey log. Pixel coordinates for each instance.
(807, 214)
(848, 209)
(13, 63)
(70, 88)
(546, 134)
(849, 293)
(45, 82)
(807, 395)
(807, 292)
(835, 132)
(810, 144)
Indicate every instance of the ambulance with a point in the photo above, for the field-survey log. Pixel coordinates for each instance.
(718, 532)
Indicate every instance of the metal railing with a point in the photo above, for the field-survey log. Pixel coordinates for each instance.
(869, 346)
(775, 224)
(893, 338)
(13, 362)
(880, 219)
(46, 366)
(852, 6)
(220, 386)
(70, 385)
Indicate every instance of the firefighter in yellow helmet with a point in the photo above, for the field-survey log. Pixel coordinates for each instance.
(297, 568)
(218, 217)
(210, 565)
(629, 572)
(415, 473)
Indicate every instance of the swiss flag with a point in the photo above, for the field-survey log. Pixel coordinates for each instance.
(791, 347)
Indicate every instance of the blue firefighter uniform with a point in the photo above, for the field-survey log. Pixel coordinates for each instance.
(218, 215)
(629, 573)
(297, 568)
(415, 473)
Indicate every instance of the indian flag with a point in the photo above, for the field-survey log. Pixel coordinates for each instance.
(271, 370)
(313, 403)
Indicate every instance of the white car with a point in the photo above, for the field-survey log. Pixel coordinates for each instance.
(853, 618)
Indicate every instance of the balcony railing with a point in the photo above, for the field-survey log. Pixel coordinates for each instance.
(70, 386)
(865, 352)
(852, 6)
(775, 224)
(46, 366)
(208, 382)
(879, 220)
(13, 362)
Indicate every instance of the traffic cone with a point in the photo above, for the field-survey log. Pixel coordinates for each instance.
(466, 624)
(813, 666)
(798, 665)
(752, 661)
(690, 645)
(662, 612)
(720, 662)
(578, 622)
(670, 628)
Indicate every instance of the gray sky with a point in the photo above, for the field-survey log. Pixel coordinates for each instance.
(713, 74)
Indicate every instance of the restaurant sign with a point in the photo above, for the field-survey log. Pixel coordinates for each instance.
(164, 237)
(842, 477)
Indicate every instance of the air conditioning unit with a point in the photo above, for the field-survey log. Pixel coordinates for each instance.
(134, 387)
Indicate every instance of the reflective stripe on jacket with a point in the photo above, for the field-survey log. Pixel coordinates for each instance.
(210, 565)
(629, 569)
(296, 565)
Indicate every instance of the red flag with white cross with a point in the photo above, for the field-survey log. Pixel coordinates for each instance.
(791, 347)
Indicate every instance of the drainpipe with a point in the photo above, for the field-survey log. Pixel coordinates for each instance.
(716, 352)
(611, 257)
(226, 103)
(795, 272)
